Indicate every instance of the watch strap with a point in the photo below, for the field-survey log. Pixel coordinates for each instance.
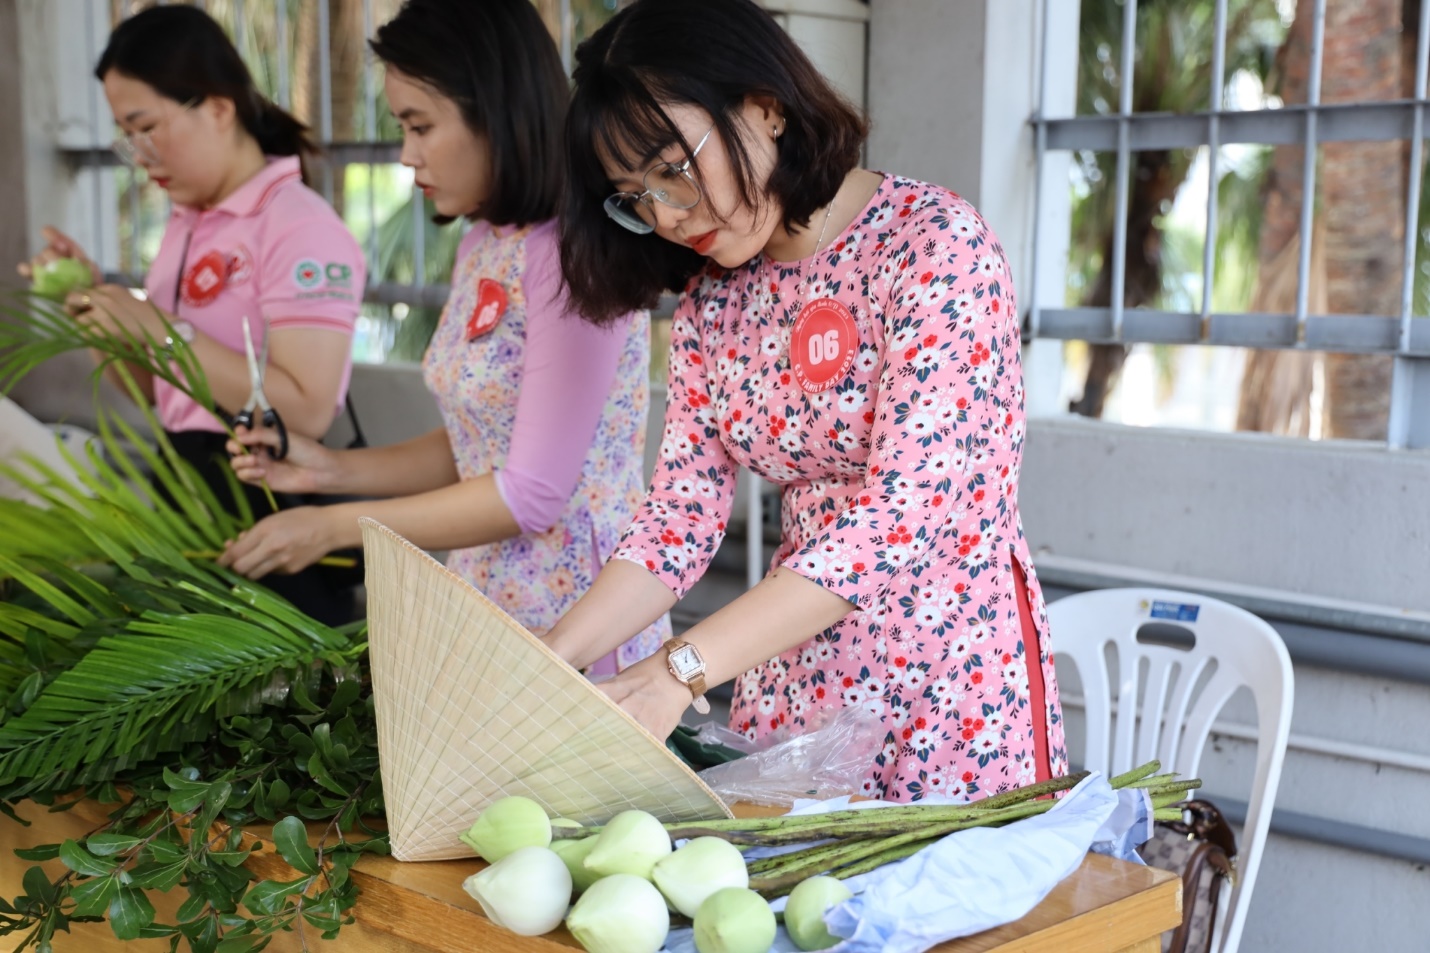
(696, 683)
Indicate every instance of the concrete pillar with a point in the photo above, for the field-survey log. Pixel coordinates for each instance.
(952, 86)
(14, 220)
(51, 102)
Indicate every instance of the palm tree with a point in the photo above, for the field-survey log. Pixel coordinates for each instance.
(1173, 74)
(1360, 214)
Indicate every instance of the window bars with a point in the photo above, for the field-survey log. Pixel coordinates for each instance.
(1310, 124)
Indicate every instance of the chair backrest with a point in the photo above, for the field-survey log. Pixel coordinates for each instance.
(1177, 657)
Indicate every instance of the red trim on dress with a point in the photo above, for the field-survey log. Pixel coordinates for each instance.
(1033, 661)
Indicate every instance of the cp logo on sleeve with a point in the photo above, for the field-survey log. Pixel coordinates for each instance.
(822, 345)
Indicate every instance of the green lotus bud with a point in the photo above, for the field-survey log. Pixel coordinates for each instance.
(621, 913)
(507, 825)
(701, 867)
(527, 891)
(805, 910)
(630, 844)
(573, 853)
(734, 920)
(59, 277)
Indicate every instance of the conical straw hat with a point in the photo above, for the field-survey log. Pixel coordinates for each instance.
(471, 707)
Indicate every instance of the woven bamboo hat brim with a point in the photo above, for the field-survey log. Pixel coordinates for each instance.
(471, 707)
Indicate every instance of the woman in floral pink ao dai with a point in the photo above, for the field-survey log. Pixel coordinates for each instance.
(850, 336)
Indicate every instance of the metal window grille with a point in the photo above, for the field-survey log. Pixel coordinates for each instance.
(1310, 124)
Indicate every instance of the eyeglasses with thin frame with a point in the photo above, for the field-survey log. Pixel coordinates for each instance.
(134, 147)
(668, 183)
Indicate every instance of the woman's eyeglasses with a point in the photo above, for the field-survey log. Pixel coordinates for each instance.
(137, 147)
(668, 183)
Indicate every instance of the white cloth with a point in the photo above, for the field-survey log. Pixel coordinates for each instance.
(22, 435)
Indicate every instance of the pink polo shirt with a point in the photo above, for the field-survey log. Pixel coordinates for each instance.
(273, 249)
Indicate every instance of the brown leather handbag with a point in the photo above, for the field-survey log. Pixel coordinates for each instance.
(1202, 850)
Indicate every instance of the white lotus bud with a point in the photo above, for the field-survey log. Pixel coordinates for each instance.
(734, 921)
(621, 913)
(527, 891)
(507, 825)
(574, 852)
(631, 843)
(695, 871)
(805, 910)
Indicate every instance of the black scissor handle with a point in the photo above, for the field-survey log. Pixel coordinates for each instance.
(275, 422)
(270, 419)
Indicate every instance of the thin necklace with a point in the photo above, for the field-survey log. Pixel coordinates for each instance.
(817, 246)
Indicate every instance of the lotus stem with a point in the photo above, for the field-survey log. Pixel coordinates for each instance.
(1137, 774)
(851, 842)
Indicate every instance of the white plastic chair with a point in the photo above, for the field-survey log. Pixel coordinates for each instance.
(1177, 677)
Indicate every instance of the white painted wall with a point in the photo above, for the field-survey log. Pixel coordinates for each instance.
(1342, 520)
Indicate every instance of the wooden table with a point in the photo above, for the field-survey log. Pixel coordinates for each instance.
(1106, 906)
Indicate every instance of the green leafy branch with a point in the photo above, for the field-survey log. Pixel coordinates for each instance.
(135, 672)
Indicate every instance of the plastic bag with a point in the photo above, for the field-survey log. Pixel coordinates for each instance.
(830, 760)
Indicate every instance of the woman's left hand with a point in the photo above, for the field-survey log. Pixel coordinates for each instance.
(113, 310)
(651, 695)
(285, 542)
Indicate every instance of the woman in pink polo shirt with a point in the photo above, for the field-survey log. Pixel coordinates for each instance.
(246, 238)
(538, 466)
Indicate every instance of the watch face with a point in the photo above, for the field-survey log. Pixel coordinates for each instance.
(686, 662)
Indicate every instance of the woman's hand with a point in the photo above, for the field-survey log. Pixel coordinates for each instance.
(113, 310)
(650, 694)
(285, 542)
(57, 245)
(309, 466)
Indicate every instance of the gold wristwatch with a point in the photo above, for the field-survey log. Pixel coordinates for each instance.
(685, 663)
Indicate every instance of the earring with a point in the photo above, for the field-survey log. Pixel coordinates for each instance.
(778, 131)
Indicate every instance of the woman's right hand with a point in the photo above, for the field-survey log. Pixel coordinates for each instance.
(309, 466)
(58, 245)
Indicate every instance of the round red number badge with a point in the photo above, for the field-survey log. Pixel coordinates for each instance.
(491, 305)
(822, 345)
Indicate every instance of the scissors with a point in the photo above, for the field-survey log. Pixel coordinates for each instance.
(257, 400)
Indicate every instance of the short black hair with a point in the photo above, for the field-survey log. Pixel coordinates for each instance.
(497, 62)
(707, 53)
(185, 56)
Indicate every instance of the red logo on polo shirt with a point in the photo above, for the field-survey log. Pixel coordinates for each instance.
(206, 279)
(239, 266)
(491, 305)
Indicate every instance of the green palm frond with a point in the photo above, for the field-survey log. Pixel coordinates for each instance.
(34, 329)
(158, 685)
(32, 531)
(120, 638)
(113, 514)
